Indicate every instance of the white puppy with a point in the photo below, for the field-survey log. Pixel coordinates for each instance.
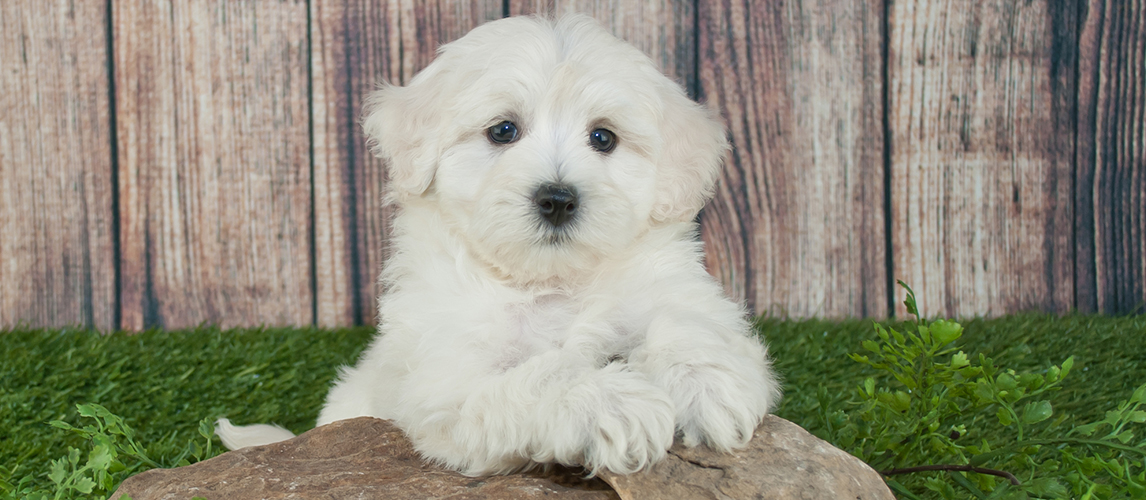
(546, 299)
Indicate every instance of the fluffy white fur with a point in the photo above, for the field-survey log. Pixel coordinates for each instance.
(505, 342)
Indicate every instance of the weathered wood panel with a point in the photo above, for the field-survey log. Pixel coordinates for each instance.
(1016, 145)
(355, 45)
(797, 226)
(665, 30)
(211, 104)
(981, 119)
(57, 230)
(1110, 180)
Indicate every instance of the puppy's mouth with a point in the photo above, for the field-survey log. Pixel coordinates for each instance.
(554, 236)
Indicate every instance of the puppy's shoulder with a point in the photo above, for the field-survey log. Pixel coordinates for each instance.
(681, 239)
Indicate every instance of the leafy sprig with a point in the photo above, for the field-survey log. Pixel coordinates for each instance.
(114, 455)
(959, 427)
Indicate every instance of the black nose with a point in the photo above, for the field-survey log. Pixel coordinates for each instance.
(556, 202)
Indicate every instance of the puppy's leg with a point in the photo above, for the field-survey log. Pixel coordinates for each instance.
(359, 391)
(611, 417)
(553, 407)
(718, 378)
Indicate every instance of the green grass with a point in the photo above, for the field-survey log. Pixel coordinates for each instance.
(164, 383)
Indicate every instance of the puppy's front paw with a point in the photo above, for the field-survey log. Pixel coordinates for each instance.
(632, 426)
(623, 422)
(719, 409)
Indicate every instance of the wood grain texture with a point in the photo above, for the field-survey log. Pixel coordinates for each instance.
(1110, 179)
(663, 29)
(797, 226)
(211, 103)
(235, 159)
(57, 237)
(981, 110)
(356, 44)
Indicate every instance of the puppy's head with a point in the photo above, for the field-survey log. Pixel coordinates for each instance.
(545, 146)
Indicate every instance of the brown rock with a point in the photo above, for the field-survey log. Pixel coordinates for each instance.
(361, 458)
(366, 458)
(783, 461)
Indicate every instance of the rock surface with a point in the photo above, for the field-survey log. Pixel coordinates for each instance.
(361, 458)
(783, 461)
(367, 458)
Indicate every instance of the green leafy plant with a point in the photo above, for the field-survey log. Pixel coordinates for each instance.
(114, 455)
(955, 427)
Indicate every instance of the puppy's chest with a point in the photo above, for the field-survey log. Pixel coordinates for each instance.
(545, 319)
(549, 321)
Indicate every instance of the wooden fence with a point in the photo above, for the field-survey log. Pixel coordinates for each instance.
(172, 162)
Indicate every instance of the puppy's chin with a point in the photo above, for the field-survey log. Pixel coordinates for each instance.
(547, 257)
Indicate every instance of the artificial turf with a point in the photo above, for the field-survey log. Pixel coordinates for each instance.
(163, 383)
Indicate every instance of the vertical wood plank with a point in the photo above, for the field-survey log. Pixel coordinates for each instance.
(211, 103)
(797, 226)
(1110, 194)
(355, 45)
(337, 285)
(57, 253)
(662, 29)
(981, 117)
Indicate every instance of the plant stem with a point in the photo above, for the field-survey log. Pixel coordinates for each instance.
(951, 467)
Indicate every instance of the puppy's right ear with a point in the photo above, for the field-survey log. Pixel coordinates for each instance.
(400, 125)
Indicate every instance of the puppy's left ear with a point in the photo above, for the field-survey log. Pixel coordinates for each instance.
(401, 125)
(693, 154)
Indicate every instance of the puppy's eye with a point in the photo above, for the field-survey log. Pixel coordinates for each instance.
(602, 140)
(503, 133)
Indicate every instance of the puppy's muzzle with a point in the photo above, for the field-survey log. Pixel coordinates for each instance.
(557, 203)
